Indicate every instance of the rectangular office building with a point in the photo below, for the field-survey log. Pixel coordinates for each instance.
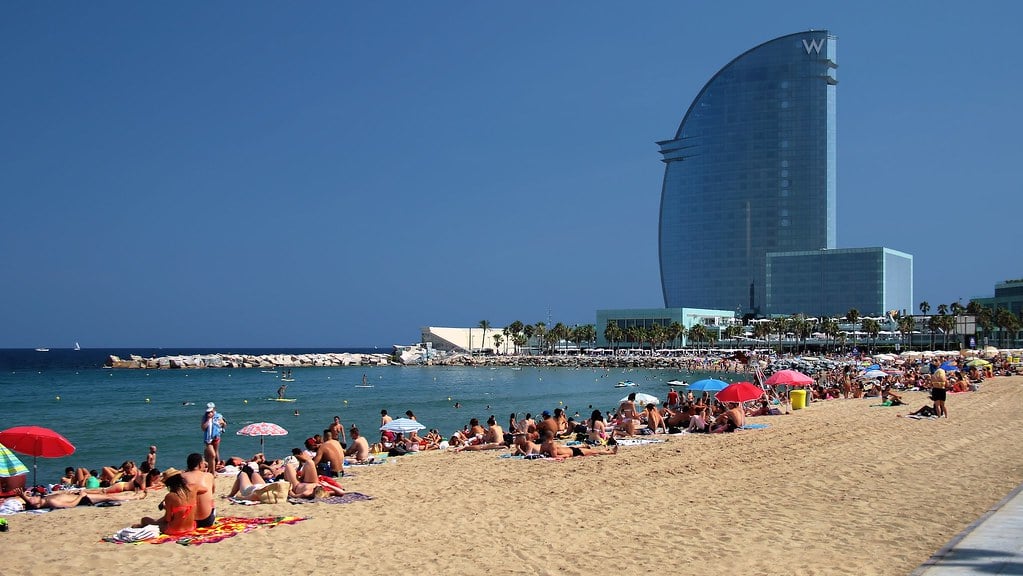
(820, 283)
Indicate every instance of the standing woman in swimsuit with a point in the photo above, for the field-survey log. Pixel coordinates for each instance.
(178, 506)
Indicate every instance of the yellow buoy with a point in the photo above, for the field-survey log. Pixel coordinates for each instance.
(147, 400)
(346, 401)
(245, 401)
(58, 397)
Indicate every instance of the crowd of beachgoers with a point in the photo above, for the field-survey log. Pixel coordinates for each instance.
(311, 471)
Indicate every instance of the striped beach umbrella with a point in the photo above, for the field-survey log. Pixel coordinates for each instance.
(262, 429)
(9, 464)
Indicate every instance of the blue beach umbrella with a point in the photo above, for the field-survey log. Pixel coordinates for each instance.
(947, 367)
(708, 385)
(9, 464)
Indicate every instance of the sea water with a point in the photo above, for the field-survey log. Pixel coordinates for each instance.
(114, 415)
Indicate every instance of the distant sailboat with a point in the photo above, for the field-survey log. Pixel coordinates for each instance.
(78, 346)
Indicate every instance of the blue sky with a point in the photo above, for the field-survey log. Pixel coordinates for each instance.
(230, 174)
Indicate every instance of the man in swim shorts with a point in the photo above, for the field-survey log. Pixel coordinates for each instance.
(202, 483)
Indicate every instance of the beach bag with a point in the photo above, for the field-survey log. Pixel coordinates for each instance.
(398, 450)
(274, 492)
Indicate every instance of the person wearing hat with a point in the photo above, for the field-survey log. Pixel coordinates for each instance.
(178, 506)
(213, 425)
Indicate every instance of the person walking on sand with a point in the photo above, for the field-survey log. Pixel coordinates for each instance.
(213, 425)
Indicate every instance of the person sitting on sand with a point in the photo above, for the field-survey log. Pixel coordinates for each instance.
(433, 439)
(330, 456)
(596, 429)
(202, 483)
(110, 475)
(308, 485)
(68, 499)
(654, 420)
(178, 506)
(627, 416)
(86, 479)
(493, 438)
(359, 448)
(555, 450)
(68, 479)
(524, 446)
(730, 420)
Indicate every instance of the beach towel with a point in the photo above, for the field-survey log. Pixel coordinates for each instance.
(16, 506)
(638, 441)
(224, 528)
(346, 498)
(756, 426)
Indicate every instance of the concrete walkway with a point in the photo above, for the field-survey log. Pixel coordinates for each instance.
(991, 545)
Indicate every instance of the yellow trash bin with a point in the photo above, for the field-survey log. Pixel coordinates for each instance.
(798, 399)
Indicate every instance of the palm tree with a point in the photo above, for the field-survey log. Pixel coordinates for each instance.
(762, 330)
(1008, 324)
(528, 331)
(675, 332)
(906, 326)
(925, 307)
(942, 309)
(632, 335)
(853, 316)
(540, 331)
(698, 332)
(872, 328)
(830, 328)
(485, 325)
(558, 333)
(515, 328)
(613, 333)
(498, 339)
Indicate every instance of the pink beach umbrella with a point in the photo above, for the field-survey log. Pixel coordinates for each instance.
(789, 378)
(262, 429)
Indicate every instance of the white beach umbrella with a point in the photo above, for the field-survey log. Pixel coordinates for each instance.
(643, 398)
(403, 425)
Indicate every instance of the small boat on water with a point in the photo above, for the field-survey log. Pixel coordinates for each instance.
(626, 384)
(676, 383)
(78, 346)
(42, 349)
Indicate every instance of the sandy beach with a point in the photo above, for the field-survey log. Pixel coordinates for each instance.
(838, 488)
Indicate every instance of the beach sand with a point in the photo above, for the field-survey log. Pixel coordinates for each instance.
(838, 488)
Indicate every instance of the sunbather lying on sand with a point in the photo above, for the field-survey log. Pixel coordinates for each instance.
(69, 499)
(555, 450)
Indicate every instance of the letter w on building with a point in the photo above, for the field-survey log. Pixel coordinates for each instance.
(813, 44)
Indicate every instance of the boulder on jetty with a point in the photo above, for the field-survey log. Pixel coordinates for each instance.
(197, 361)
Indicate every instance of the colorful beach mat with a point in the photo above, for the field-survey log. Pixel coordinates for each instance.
(224, 528)
(346, 498)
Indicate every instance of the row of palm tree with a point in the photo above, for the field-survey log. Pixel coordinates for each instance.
(518, 334)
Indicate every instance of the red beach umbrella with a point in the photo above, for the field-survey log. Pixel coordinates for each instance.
(739, 392)
(789, 378)
(36, 441)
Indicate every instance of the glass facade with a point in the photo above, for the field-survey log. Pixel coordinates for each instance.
(819, 283)
(751, 170)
